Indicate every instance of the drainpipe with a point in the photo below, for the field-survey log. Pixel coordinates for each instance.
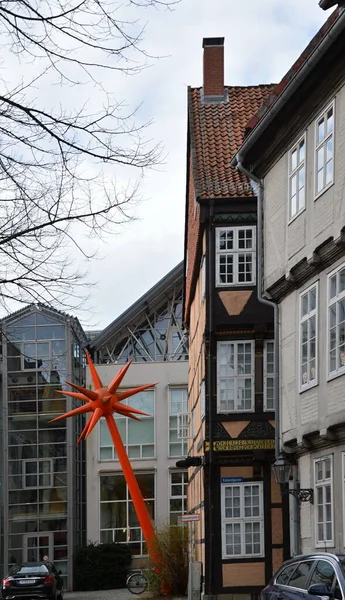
(210, 380)
(259, 188)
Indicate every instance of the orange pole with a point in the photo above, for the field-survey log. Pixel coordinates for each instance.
(137, 499)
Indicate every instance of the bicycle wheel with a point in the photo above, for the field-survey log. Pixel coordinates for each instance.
(137, 583)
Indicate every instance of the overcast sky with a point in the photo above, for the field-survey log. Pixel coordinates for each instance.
(262, 40)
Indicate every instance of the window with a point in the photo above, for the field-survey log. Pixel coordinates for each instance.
(235, 256)
(242, 520)
(336, 321)
(297, 178)
(300, 576)
(119, 522)
(308, 338)
(323, 502)
(323, 573)
(38, 473)
(137, 436)
(269, 374)
(235, 376)
(178, 421)
(178, 495)
(324, 149)
(285, 574)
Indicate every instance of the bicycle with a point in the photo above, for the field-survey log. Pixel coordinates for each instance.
(137, 582)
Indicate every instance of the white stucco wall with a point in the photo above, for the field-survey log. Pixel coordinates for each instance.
(285, 244)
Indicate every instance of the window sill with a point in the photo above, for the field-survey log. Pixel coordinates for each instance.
(235, 411)
(296, 215)
(236, 285)
(308, 386)
(319, 194)
(336, 374)
(241, 556)
(325, 544)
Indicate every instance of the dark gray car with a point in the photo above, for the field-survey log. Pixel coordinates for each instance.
(32, 581)
(307, 577)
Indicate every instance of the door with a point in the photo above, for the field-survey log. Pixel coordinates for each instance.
(38, 546)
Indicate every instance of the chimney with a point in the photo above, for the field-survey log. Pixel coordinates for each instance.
(213, 84)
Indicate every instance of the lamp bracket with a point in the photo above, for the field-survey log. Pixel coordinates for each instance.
(303, 495)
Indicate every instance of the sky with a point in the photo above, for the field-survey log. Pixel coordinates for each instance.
(262, 40)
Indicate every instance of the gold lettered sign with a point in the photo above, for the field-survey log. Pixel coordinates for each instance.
(226, 445)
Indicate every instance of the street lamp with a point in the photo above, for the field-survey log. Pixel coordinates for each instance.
(282, 470)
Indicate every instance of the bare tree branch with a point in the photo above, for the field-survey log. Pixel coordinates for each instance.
(54, 192)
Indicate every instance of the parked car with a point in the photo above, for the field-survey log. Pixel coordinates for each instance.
(321, 574)
(33, 581)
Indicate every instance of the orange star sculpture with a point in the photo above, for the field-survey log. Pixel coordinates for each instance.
(104, 402)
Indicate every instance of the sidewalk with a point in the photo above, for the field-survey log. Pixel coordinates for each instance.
(122, 594)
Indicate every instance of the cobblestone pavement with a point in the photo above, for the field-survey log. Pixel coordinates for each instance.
(122, 594)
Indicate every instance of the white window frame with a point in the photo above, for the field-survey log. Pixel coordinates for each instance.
(183, 497)
(242, 520)
(268, 375)
(235, 252)
(323, 484)
(309, 383)
(36, 461)
(182, 423)
(301, 164)
(340, 369)
(323, 143)
(236, 377)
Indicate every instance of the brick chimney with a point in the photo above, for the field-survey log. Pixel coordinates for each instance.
(213, 84)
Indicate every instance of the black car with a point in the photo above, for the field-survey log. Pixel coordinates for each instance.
(33, 580)
(308, 576)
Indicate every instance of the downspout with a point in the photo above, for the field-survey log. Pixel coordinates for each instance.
(210, 379)
(259, 188)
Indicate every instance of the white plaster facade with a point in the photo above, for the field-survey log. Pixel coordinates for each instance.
(312, 417)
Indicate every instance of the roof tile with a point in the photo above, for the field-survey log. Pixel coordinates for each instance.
(217, 131)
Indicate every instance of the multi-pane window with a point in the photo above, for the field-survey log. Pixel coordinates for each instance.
(119, 522)
(323, 501)
(235, 256)
(242, 520)
(38, 473)
(178, 421)
(137, 436)
(336, 321)
(178, 495)
(269, 375)
(235, 376)
(324, 149)
(308, 337)
(297, 178)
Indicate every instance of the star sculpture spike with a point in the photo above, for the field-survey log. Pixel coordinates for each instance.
(104, 401)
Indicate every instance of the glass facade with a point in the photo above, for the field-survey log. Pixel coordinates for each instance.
(44, 470)
(119, 522)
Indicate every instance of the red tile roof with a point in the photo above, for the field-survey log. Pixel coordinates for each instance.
(216, 132)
